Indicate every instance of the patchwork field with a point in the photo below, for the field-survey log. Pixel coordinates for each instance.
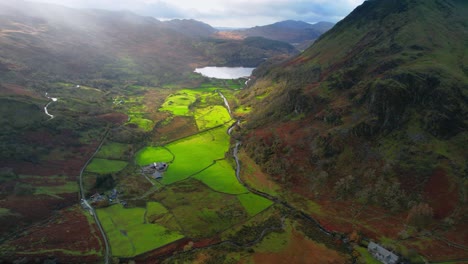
(128, 232)
(179, 103)
(201, 195)
(148, 155)
(211, 116)
(221, 177)
(191, 155)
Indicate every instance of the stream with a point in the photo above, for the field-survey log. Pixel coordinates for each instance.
(253, 190)
(266, 230)
(52, 99)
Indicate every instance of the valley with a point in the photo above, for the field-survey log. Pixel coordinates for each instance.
(199, 204)
(118, 147)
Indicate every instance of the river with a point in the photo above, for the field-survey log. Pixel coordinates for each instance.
(52, 99)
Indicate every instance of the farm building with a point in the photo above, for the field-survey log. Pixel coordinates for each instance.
(159, 166)
(155, 169)
(382, 254)
(157, 175)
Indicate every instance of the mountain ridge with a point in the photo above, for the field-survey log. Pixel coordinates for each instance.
(375, 110)
(299, 33)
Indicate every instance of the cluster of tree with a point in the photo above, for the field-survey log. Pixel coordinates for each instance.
(372, 189)
(249, 233)
(420, 215)
(272, 154)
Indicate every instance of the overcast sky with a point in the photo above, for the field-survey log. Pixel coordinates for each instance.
(227, 13)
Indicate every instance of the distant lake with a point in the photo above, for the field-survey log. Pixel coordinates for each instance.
(225, 72)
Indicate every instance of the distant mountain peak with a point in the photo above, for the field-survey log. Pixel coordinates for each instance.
(299, 33)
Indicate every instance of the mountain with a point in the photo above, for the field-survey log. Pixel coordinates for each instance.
(96, 46)
(371, 122)
(298, 33)
(191, 27)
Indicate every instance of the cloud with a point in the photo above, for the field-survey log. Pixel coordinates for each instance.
(235, 13)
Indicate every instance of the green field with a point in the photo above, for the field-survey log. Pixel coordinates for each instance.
(128, 233)
(212, 116)
(179, 103)
(191, 155)
(253, 203)
(155, 208)
(204, 104)
(143, 123)
(103, 166)
(196, 153)
(221, 177)
(112, 150)
(149, 155)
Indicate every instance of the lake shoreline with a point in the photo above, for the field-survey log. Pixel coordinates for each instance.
(225, 72)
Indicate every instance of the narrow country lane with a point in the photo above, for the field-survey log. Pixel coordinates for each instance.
(85, 204)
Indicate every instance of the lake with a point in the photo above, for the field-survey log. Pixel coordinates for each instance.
(225, 72)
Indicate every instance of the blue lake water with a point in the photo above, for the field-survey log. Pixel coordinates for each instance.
(225, 72)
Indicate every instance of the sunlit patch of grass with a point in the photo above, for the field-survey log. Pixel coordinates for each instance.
(221, 177)
(149, 155)
(179, 103)
(129, 235)
(103, 166)
(211, 117)
(143, 123)
(196, 153)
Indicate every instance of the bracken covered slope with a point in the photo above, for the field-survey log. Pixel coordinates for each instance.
(375, 112)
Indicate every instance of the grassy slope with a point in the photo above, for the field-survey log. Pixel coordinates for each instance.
(382, 97)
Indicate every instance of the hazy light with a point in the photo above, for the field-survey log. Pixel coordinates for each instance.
(227, 13)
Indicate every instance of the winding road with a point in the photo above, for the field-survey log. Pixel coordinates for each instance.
(88, 207)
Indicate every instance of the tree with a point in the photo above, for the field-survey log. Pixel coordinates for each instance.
(345, 187)
(420, 215)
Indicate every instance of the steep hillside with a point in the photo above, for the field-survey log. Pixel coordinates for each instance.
(251, 51)
(374, 115)
(298, 33)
